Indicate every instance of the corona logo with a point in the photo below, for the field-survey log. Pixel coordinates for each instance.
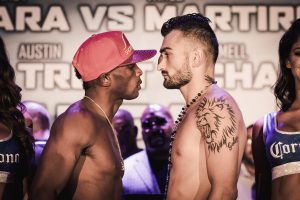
(279, 149)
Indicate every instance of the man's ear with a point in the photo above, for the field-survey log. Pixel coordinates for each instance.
(197, 57)
(105, 80)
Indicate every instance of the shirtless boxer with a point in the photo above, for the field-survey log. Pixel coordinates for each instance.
(82, 158)
(210, 134)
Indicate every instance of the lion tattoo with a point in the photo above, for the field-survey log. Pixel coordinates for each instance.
(221, 129)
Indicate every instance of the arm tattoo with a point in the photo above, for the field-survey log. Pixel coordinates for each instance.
(217, 124)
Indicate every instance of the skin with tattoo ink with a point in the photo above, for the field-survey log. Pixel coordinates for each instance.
(216, 110)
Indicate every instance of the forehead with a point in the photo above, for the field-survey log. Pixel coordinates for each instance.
(119, 120)
(152, 114)
(28, 118)
(172, 39)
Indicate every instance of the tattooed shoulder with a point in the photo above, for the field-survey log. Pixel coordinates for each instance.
(216, 121)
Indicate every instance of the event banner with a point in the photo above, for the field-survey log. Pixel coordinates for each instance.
(43, 36)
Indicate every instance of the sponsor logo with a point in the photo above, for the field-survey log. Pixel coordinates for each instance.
(279, 149)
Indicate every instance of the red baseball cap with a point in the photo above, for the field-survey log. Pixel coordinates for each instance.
(103, 52)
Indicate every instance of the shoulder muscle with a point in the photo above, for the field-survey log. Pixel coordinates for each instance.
(216, 120)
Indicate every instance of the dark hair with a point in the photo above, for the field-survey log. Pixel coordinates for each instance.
(195, 26)
(250, 126)
(87, 84)
(284, 88)
(10, 101)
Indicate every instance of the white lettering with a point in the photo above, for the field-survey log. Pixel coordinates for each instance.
(57, 74)
(220, 17)
(38, 51)
(30, 18)
(121, 18)
(30, 70)
(286, 149)
(9, 158)
(244, 13)
(55, 19)
(154, 19)
(28, 15)
(91, 22)
(262, 23)
(266, 18)
(281, 16)
(232, 51)
(60, 75)
(5, 21)
(190, 8)
(17, 158)
(293, 147)
(265, 76)
(229, 74)
(278, 152)
(236, 73)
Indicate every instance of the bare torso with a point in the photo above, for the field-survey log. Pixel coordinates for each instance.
(191, 176)
(97, 174)
(83, 151)
(188, 158)
(286, 187)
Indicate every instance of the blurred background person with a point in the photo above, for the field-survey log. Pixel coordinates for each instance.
(146, 171)
(40, 124)
(246, 181)
(16, 142)
(27, 118)
(276, 137)
(126, 132)
(40, 118)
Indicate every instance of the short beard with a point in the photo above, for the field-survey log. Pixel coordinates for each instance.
(179, 79)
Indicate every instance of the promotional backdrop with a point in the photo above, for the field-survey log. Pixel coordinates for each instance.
(42, 37)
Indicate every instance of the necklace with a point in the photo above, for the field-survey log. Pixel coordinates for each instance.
(180, 117)
(114, 132)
